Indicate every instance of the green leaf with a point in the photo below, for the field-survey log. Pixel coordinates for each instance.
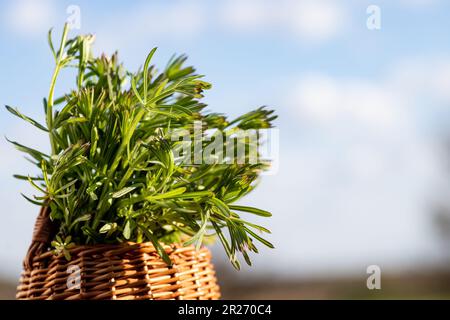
(127, 230)
(38, 188)
(66, 186)
(73, 121)
(263, 241)
(122, 192)
(226, 245)
(162, 253)
(67, 254)
(256, 211)
(223, 208)
(194, 195)
(108, 228)
(198, 237)
(135, 90)
(24, 117)
(255, 226)
(176, 193)
(246, 258)
(176, 107)
(145, 76)
(83, 218)
(50, 43)
(32, 152)
(22, 177)
(91, 233)
(41, 204)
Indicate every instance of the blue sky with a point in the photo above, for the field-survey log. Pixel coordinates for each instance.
(362, 113)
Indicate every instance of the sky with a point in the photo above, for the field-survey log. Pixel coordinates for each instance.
(363, 114)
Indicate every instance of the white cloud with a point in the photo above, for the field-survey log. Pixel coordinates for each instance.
(419, 3)
(314, 21)
(378, 125)
(179, 20)
(420, 78)
(30, 17)
(328, 101)
(248, 15)
(393, 103)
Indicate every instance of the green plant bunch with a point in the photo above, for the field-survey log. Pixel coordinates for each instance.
(112, 176)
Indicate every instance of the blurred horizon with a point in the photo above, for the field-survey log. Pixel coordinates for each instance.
(364, 118)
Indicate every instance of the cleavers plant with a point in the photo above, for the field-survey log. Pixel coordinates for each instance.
(112, 177)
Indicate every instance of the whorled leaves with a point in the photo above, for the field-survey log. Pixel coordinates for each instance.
(112, 176)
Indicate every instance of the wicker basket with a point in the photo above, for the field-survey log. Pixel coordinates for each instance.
(123, 271)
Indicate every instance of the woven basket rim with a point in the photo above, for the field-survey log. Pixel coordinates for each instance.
(114, 248)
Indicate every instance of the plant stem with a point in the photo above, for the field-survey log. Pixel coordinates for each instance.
(58, 67)
(115, 164)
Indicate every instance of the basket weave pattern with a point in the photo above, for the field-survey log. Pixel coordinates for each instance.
(124, 271)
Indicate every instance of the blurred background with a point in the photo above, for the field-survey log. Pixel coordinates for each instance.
(362, 89)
